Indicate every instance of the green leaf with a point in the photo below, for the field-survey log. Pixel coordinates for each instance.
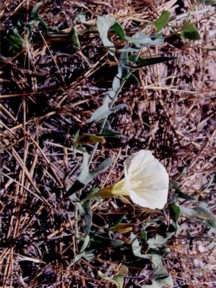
(16, 42)
(74, 38)
(175, 212)
(35, 18)
(143, 235)
(163, 20)
(34, 12)
(141, 62)
(190, 32)
(43, 24)
(119, 30)
(104, 23)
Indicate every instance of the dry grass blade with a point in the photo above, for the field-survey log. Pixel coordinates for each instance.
(49, 91)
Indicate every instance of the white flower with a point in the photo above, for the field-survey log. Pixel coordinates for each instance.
(146, 181)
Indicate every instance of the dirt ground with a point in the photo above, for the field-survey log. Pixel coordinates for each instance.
(49, 90)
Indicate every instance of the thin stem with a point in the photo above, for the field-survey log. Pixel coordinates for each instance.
(112, 103)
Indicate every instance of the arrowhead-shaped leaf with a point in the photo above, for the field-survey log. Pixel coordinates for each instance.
(190, 32)
(163, 20)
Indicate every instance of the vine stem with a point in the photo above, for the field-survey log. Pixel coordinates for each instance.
(112, 103)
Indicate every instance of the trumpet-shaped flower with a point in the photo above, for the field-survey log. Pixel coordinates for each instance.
(145, 181)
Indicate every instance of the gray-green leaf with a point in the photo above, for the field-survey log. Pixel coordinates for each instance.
(161, 277)
(201, 212)
(142, 40)
(104, 23)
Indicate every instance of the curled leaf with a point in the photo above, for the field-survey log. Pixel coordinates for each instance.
(122, 228)
(90, 138)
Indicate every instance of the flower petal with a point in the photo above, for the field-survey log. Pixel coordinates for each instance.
(146, 180)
